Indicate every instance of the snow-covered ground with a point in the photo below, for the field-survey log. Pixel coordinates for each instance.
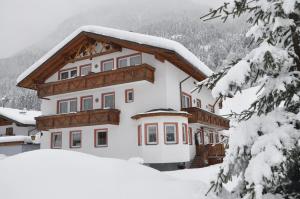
(52, 174)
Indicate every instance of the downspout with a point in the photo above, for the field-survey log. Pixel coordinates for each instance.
(180, 90)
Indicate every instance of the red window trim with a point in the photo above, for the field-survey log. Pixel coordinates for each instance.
(70, 138)
(198, 100)
(108, 93)
(139, 135)
(67, 69)
(146, 134)
(130, 55)
(107, 60)
(126, 97)
(190, 136)
(95, 138)
(58, 101)
(84, 65)
(189, 96)
(83, 97)
(176, 132)
(186, 134)
(51, 143)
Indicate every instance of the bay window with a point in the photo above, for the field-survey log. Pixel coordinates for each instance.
(151, 133)
(171, 133)
(139, 135)
(184, 134)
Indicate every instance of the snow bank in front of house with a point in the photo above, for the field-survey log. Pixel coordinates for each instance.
(17, 138)
(20, 116)
(124, 35)
(52, 174)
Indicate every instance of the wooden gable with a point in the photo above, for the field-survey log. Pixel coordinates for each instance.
(87, 45)
(5, 122)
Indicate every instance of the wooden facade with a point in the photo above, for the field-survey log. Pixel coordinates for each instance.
(208, 154)
(207, 118)
(97, 80)
(83, 118)
(5, 122)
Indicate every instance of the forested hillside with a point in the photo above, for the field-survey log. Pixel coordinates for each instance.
(211, 41)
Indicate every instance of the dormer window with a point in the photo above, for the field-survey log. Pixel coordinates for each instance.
(130, 60)
(68, 73)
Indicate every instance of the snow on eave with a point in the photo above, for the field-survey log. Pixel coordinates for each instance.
(16, 138)
(23, 117)
(128, 36)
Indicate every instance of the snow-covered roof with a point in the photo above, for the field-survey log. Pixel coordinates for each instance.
(20, 116)
(128, 36)
(159, 112)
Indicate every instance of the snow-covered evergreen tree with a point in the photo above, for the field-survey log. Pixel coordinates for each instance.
(264, 145)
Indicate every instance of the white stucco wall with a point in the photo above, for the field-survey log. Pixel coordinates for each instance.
(17, 130)
(122, 138)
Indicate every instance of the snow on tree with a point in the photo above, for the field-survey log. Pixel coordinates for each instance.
(264, 146)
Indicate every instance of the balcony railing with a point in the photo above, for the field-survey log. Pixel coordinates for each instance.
(83, 118)
(96, 80)
(207, 118)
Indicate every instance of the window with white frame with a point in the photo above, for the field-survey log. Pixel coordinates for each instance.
(101, 138)
(129, 95)
(198, 101)
(85, 70)
(184, 134)
(56, 140)
(131, 60)
(107, 65)
(67, 74)
(151, 133)
(87, 103)
(108, 100)
(186, 100)
(75, 139)
(67, 106)
(170, 133)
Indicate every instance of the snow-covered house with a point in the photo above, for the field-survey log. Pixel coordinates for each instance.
(121, 94)
(17, 131)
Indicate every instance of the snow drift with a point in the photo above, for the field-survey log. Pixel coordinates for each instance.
(50, 174)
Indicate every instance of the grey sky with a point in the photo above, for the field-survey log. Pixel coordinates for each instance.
(24, 22)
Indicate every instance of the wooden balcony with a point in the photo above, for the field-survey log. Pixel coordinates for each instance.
(83, 118)
(97, 80)
(207, 118)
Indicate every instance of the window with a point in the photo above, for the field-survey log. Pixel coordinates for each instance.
(190, 136)
(9, 131)
(139, 135)
(86, 103)
(186, 100)
(129, 96)
(100, 137)
(151, 133)
(171, 133)
(85, 69)
(130, 60)
(200, 133)
(184, 134)
(67, 106)
(56, 140)
(211, 108)
(217, 137)
(108, 100)
(75, 139)
(211, 138)
(107, 65)
(67, 74)
(198, 103)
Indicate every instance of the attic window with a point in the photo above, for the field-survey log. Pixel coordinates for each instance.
(67, 74)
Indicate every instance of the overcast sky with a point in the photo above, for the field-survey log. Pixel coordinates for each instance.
(24, 22)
